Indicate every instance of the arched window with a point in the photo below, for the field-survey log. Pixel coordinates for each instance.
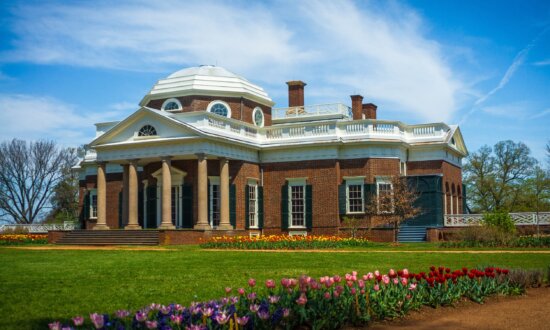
(171, 105)
(147, 130)
(258, 117)
(220, 108)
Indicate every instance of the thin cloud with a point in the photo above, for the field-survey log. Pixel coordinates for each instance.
(541, 114)
(31, 117)
(378, 50)
(124, 106)
(542, 63)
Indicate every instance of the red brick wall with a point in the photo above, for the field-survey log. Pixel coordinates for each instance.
(114, 187)
(452, 175)
(200, 103)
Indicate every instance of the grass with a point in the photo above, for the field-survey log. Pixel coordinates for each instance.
(38, 286)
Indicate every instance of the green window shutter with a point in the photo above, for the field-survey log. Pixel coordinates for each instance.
(260, 207)
(151, 207)
(284, 207)
(233, 205)
(246, 207)
(86, 207)
(120, 209)
(309, 206)
(187, 205)
(140, 207)
(208, 200)
(342, 199)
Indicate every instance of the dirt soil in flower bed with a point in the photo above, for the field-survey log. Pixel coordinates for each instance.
(529, 311)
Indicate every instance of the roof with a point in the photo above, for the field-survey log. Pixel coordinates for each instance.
(206, 80)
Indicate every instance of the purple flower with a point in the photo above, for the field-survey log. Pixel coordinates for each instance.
(121, 313)
(286, 312)
(195, 327)
(176, 319)
(242, 320)
(179, 308)
(251, 296)
(254, 308)
(154, 306)
(151, 324)
(55, 326)
(222, 318)
(97, 320)
(208, 311)
(263, 314)
(78, 320)
(165, 310)
(274, 299)
(141, 316)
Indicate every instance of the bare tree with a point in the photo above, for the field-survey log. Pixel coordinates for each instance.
(495, 176)
(538, 192)
(28, 174)
(393, 206)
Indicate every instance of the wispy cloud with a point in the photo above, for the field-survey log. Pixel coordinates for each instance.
(123, 106)
(32, 117)
(379, 50)
(541, 114)
(514, 110)
(542, 63)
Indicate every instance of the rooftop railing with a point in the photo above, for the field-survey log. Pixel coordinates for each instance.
(337, 109)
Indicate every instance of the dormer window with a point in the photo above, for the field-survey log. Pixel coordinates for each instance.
(220, 108)
(258, 117)
(147, 130)
(171, 105)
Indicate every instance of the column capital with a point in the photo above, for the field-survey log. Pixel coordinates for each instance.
(166, 158)
(223, 160)
(201, 155)
(101, 163)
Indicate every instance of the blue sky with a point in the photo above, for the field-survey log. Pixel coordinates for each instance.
(484, 65)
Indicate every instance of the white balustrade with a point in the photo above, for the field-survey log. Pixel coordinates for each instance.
(520, 219)
(312, 110)
(39, 228)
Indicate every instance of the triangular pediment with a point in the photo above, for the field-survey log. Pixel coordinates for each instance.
(127, 131)
(456, 141)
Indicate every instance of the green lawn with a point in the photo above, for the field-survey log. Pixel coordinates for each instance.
(40, 286)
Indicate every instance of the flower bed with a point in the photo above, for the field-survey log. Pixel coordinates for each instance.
(280, 242)
(324, 303)
(522, 242)
(18, 239)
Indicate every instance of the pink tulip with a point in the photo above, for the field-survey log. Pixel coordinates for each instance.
(242, 320)
(270, 284)
(361, 284)
(274, 299)
(353, 291)
(370, 276)
(391, 273)
(208, 311)
(222, 318)
(151, 324)
(120, 314)
(254, 308)
(176, 319)
(241, 291)
(251, 296)
(354, 273)
(79, 320)
(412, 286)
(286, 312)
(362, 291)
(302, 300)
(336, 294)
(395, 281)
(376, 273)
(349, 283)
(385, 279)
(285, 282)
(405, 271)
(97, 320)
(404, 281)
(376, 287)
(252, 282)
(408, 297)
(336, 279)
(327, 295)
(55, 326)
(227, 290)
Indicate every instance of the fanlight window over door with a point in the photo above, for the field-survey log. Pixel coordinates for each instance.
(147, 130)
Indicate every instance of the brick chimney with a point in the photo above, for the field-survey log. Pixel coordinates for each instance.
(369, 109)
(356, 106)
(296, 93)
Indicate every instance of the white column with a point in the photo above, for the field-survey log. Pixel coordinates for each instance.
(101, 199)
(225, 224)
(166, 195)
(133, 223)
(202, 188)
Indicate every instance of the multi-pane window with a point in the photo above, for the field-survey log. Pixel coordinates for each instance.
(385, 197)
(147, 130)
(215, 205)
(220, 109)
(253, 205)
(93, 204)
(171, 106)
(355, 198)
(297, 205)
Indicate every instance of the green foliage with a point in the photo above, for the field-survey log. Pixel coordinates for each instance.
(501, 221)
(495, 238)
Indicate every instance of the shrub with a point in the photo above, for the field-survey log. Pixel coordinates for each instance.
(14, 231)
(279, 242)
(500, 220)
(484, 236)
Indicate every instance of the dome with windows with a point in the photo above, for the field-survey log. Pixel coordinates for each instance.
(206, 80)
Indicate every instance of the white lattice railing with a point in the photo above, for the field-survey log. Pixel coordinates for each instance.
(520, 219)
(37, 228)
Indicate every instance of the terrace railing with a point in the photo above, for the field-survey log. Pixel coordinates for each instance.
(338, 109)
(38, 228)
(520, 219)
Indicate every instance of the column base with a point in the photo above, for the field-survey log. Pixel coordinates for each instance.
(224, 227)
(202, 226)
(132, 227)
(101, 227)
(167, 226)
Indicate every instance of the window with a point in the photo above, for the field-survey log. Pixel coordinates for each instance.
(355, 193)
(253, 205)
(297, 205)
(171, 105)
(214, 201)
(384, 191)
(258, 117)
(147, 130)
(220, 108)
(93, 204)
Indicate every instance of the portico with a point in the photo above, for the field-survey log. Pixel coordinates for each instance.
(168, 179)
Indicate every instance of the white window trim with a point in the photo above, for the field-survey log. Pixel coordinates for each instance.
(171, 100)
(254, 183)
(256, 109)
(356, 181)
(379, 181)
(213, 103)
(296, 182)
(93, 192)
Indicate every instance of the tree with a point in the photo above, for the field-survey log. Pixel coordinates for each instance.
(495, 176)
(537, 189)
(29, 172)
(393, 206)
(548, 154)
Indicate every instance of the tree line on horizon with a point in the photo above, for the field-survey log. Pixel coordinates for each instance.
(38, 184)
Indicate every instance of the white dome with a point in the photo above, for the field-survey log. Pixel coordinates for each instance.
(206, 80)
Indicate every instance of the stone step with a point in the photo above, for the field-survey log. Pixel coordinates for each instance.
(110, 237)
